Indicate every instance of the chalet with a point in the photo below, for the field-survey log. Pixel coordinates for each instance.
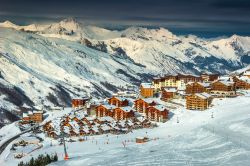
(189, 78)
(52, 134)
(178, 81)
(104, 110)
(142, 104)
(118, 101)
(209, 77)
(47, 126)
(33, 116)
(197, 87)
(242, 82)
(104, 129)
(198, 101)
(146, 90)
(89, 121)
(140, 140)
(79, 103)
(25, 118)
(157, 113)
(223, 88)
(105, 119)
(168, 93)
(123, 113)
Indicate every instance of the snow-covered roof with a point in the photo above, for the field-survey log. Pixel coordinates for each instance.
(66, 129)
(160, 107)
(108, 106)
(37, 112)
(85, 129)
(244, 78)
(121, 98)
(130, 123)
(25, 115)
(106, 118)
(29, 139)
(105, 127)
(90, 118)
(173, 90)
(127, 109)
(201, 83)
(149, 100)
(80, 115)
(141, 119)
(227, 83)
(203, 95)
(147, 85)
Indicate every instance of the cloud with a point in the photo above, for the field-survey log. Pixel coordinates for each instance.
(228, 15)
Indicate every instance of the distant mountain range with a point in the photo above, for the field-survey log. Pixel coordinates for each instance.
(47, 65)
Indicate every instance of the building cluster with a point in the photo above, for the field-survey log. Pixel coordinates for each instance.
(32, 117)
(120, 114)
(78, 123)
(197, 90)
(120, 109)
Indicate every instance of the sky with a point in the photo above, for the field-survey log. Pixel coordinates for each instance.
(209, 18)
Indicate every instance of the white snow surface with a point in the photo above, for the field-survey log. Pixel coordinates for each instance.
(197, 139)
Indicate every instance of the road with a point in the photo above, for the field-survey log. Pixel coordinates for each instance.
(8, 141)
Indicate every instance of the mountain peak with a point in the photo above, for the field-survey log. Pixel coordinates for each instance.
(7, 23)
(70, 24)
(70, 20)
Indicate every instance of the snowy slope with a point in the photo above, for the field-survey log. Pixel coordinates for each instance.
(50, 71)
(197, 139)
(49, 64)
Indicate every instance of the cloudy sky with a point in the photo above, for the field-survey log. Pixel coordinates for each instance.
(200, 17)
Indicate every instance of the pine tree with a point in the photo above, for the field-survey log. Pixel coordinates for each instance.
(32, 162)
(21, 163)
(55, 158)
(48, 159)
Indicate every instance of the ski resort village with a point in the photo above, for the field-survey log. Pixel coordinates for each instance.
(151, 120)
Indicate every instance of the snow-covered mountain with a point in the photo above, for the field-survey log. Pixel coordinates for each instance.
(47, 65)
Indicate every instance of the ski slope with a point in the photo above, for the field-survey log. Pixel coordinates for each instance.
(198, 139)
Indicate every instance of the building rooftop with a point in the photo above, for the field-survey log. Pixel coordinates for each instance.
(147, 85)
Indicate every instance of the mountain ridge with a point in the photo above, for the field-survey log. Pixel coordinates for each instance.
(50, 64)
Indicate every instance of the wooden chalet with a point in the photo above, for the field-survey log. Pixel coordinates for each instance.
(118, 101)
(177, 81)
(146, 90)
(123, 113)
(168, 93)
(89, 121)
(33, 116)
(52, 134)
(142, 104)
(197, 87)
(223, 88)
(104, 110)
(47, 126)
(209, 77)
(198, 101)
(79, 103)
(157, 113)
(188, 78)
(242, 82)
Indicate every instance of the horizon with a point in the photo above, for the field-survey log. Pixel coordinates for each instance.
(207, 18)
(182, 32)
